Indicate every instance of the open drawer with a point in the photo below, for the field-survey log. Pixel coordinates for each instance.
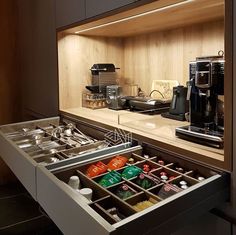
(141, 201)
(16, 158)
(43, 142)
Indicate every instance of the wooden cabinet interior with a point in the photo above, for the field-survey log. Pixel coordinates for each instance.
(147, 47)
(166, 54)
(156, 16)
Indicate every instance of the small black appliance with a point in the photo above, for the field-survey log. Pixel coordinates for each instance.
(179, 104)
(113, 98)
(146, 105)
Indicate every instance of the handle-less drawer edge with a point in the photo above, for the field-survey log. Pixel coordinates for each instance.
(73, 216)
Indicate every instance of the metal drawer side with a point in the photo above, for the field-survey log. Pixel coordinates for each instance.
(74, 160)
(23, 166)
(34, 123)
(67, 209)
(93, 157)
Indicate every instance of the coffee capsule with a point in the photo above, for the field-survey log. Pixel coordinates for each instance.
(163, 173)
(131, 160)
(183, 182)
(179, 169)
(172, 177)
(200, 178)
(184, 186)
(164, 177)
(74, 182)
(87, 193)
(161, 162)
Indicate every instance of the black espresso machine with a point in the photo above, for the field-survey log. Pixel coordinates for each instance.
(206, 115)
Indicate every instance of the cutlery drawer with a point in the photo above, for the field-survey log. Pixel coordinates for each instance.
(42, 142)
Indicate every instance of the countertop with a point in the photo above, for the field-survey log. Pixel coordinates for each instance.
(153, 127)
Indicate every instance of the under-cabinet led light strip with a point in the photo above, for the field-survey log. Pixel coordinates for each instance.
(136, 16)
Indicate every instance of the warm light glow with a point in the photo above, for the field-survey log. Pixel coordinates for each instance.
(136, 16)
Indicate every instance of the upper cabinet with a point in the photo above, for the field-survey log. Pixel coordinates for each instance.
(38, 58)
(93, 7)
(68, 12)
(154, 41)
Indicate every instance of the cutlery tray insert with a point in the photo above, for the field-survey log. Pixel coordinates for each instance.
(42, 143)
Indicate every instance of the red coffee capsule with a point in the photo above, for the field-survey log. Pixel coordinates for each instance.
(171, 177)
(161, 162)
(146, 168)
(163, 173)
(141, 176)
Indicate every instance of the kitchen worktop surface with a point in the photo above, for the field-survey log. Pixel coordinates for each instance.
(153, 127)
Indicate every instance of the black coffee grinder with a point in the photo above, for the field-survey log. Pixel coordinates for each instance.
(206, 84)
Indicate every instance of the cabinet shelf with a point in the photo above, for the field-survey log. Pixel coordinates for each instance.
(157, 16)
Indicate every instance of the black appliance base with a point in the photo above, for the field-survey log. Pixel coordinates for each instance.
(178, 117)
(201, 136)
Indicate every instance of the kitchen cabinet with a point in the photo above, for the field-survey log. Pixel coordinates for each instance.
(10, 105)
(93, 8)
(70, 211)
(178, 31)
(162, 41)
(38, 58)
(69, 12)
(28, 158)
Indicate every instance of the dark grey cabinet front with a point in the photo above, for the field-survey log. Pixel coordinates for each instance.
(68, 12)
(94, 7)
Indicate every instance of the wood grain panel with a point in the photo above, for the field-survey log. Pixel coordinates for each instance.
(77, 54)
(153, 129)
(156, 16)
(160, 55)
(9, 70)
(171, 16)
(166, 55)
(143, 58)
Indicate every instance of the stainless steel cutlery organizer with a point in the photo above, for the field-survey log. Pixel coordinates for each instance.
(46, 142)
